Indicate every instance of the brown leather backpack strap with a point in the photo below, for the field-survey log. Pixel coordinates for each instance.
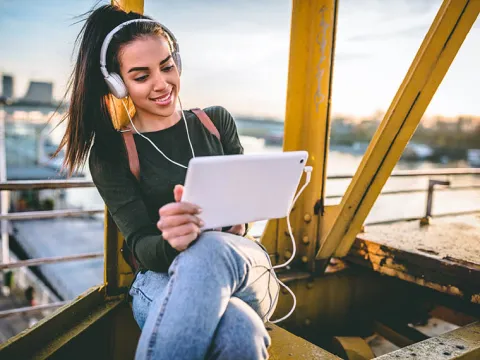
(206, 121)
(132, 153)
(134, 164)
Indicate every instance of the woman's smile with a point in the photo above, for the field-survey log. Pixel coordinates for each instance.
(165, 99)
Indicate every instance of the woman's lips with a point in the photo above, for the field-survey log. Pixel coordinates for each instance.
(164, 99)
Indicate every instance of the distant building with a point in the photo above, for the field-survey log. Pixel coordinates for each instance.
(341, 126)
(39, 92)
(7, 86)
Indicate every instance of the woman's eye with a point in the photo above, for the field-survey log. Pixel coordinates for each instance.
(141, 78)
(168, 68)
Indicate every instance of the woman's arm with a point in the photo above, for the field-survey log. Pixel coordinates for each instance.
(121, 193)
(227, 128)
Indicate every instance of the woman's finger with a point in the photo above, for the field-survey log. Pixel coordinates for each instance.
(179, 208)
(167, 222)
(177, 231)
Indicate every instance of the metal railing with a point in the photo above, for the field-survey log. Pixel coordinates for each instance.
(71, 184)
(420, 173)
(414, 191)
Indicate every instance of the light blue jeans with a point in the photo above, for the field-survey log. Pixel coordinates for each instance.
(212, 303)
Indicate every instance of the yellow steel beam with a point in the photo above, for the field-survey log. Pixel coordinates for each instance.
(130, 5)
(117, 273)
(442, 42)
(307, 121)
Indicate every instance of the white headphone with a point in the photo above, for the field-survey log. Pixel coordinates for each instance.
(114, 80)
(119, 90)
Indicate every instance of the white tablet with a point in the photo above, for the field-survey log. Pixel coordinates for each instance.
(237, 189)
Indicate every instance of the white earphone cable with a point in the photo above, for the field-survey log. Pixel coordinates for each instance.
(155, 146)
(188, 134)
(308, 172)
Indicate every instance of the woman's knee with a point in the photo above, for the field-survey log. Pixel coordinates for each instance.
(210, 246)
(241, 334)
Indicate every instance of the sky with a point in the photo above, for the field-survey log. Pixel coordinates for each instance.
(235, 52)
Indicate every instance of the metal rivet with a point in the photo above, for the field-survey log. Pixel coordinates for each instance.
(307, 322)
(304, 259)
(425, 221)
(309, 285)
(307, 218)
(288, 254)
(305, 240)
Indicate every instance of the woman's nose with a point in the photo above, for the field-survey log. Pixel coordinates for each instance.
(160, 84)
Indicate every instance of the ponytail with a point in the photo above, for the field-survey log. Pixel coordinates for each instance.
(88, 115)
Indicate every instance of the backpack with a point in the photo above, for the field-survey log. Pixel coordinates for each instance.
(134, 165)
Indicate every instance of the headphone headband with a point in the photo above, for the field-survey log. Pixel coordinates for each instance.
(114, 81)
(108, 38)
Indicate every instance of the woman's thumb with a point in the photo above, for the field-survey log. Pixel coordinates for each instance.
(178, 192)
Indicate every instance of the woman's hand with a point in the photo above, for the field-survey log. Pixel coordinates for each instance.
(178, 221)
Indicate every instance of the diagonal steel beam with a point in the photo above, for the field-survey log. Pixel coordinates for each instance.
(442, 42)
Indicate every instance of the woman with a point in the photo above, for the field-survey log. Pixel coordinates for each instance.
(196, 295)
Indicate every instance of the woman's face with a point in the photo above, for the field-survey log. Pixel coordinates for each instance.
(150, 75)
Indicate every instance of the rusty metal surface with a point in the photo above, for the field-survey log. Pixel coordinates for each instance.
(285, 345)
(54, 331)
(41, 184)
(444, 255)
(50, 260)
(352, 348)
(50, 214)
(462, 343)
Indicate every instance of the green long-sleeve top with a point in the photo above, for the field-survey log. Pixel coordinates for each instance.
(134, 205)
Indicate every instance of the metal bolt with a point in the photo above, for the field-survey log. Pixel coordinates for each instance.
(287, 254)
(304, 259)
(307, 218)
(305, 240)
(425, 221)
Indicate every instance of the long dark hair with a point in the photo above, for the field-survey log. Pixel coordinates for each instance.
(88, 116)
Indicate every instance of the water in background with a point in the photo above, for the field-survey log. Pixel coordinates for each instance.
(387, 207)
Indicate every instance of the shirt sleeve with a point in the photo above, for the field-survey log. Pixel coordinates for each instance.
(122, 196)
(227, 128)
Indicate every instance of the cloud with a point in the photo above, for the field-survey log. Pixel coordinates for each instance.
(414, 31)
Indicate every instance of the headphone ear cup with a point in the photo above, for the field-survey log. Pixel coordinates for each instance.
(116, 85)
(178, 61)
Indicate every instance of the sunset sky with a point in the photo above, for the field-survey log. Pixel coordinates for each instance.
(235, 53)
